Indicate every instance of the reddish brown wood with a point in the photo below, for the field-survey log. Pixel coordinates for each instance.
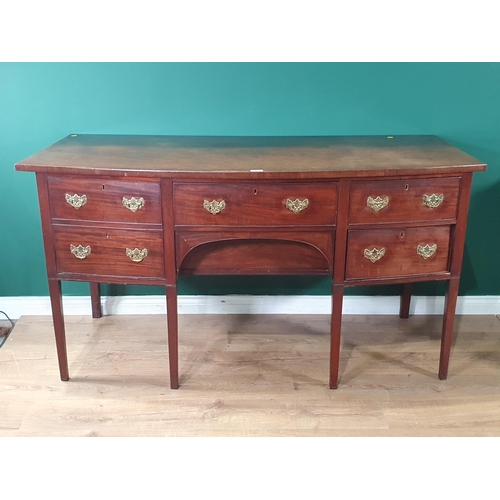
(108, 251)
(95, 298)
(255, 257)
(59, 330)
(341, 234)
(256, 203)
(169, 236)
(172, 328)
(255, 233)
(105, 199)
(242, 252)
(461, 226)
(400, 258)
(455, 267)
(405, 200)
(335, 329)
(448, 323)
(48, 240)
(282, 158)
(404, 308)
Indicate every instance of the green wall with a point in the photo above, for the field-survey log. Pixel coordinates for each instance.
(42, 102)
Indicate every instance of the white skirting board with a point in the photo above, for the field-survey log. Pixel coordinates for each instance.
(16, 307)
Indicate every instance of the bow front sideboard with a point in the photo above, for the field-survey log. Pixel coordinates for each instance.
(146, 209)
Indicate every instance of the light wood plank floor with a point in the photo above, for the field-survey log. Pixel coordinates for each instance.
(251, 376)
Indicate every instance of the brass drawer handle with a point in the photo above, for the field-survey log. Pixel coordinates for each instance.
(297, 205)
(433, 200)
(133, 204)
(214, 206)
(80, 252)
(76, 201)
(377, 203)
(137, 255)
(374, 254)
(426, 251)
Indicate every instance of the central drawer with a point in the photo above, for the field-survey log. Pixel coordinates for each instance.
(109, 252)
(259, 204)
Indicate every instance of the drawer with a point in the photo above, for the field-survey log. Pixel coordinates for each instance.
(380, 253)
(98, 251)
(261, 204)
(409, 200)
(104, 199)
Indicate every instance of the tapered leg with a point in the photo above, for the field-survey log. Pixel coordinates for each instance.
(58, 320)
(95, 297)
(404, 308)
(335, 329)
(172, 336)
(448, 322)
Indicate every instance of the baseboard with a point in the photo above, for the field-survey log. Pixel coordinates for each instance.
(248, 304)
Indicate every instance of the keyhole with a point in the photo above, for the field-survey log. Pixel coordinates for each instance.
(402, 235)
(103, 186)
(254, 191)
(107, 235)
(406, 187)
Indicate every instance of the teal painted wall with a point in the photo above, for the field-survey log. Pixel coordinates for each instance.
(42, 102)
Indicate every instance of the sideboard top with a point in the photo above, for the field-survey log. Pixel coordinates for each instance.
(305, 156)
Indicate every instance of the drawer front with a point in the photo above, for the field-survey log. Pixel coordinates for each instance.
(409, 200)
(105, 200)
(98, 251)
(380, 253)
(258, 204)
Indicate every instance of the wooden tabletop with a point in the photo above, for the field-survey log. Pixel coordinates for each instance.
(200, 155)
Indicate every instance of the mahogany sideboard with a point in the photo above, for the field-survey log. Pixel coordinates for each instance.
(145, 209)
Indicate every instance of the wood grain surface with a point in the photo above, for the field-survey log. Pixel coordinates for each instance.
(251, 376)
(166, 155)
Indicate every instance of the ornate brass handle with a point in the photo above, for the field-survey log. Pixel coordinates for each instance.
(76, 201)
(433, 200)
(426, 251)
(377, 203)
(133, 204)
(374, 254)
(214, 206)
(297, 205)
(137, 255)
(80, 252)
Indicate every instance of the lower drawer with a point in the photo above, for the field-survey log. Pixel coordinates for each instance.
(109, 252)
(380, 253)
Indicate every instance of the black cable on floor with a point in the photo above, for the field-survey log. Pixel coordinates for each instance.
(3, 338)
(5, 314)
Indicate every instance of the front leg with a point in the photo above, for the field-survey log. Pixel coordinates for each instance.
(59, 331)
(335, 330)
(172, 336)
(448, 322)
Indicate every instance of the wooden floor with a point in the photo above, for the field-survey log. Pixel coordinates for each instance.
(251, 376)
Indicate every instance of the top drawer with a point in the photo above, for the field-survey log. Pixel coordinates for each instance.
(263, 204)
(407, 200)
(104, 199)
